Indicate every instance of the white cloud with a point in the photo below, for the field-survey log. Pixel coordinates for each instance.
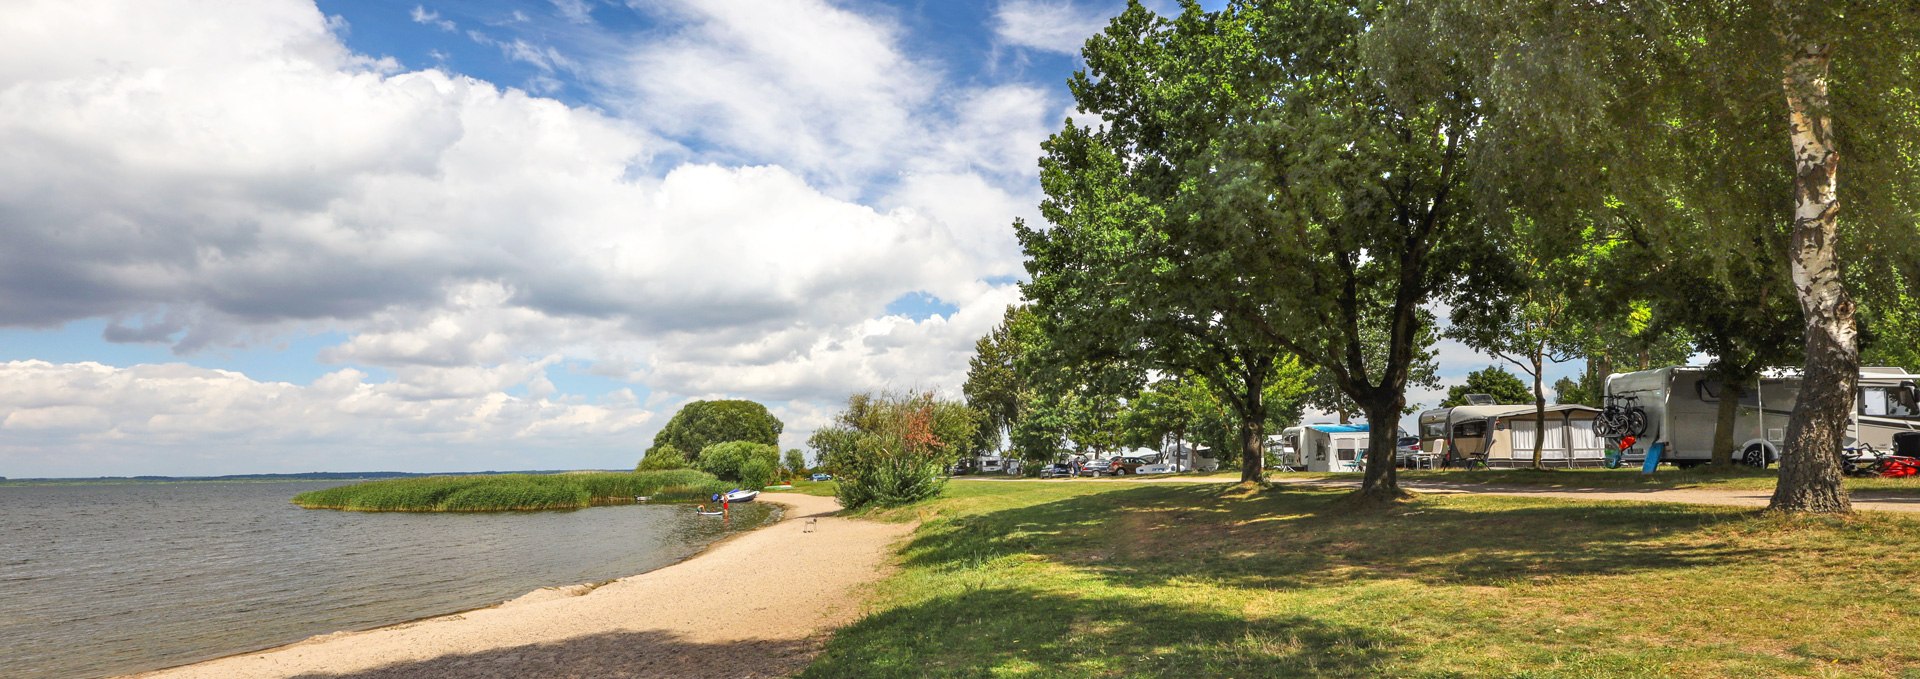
(1050, 25)
(576, 11)
(60, 417)
(421, 15)
(219, 175)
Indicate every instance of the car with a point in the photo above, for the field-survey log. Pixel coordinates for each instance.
(1057, 471)
(821, 477)
(1122, 466)
(1154, 468)
(1097, 467)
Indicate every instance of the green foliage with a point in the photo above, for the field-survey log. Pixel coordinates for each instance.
(1586, 392)
(703, 423)
(997, 384)
(501, 492)
(1503, 386)
(663, 456)
(890, 450)
(753, 465)
(1181, 406)
(796, 463)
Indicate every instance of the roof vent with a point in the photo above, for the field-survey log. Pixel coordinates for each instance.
(1480, 399)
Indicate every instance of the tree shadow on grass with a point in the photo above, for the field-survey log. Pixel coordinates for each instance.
(630, 655)
(992, 632)
(1295, 538)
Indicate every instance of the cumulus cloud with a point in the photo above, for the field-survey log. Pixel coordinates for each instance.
(206, 174)
(58, 416)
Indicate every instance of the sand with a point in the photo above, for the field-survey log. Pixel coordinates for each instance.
(758, 605)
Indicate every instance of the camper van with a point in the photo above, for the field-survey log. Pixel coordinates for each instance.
(1324, 447)
(1682, 406)
(1504, 435)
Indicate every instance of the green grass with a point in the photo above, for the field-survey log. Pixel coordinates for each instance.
(1742, 478)
(820, 488)
(503, 492)
(1079, 579)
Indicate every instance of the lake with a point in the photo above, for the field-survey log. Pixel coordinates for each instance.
(107, 579)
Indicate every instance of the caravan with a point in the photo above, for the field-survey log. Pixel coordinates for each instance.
(1503, 435)
(1323, 447)
(1681, 404)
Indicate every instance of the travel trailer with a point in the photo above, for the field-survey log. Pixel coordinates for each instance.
(1682, 406)
(1504, 434)
(1323, 447)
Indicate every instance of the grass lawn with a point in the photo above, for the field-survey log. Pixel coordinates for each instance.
(1739, 478)
(1095, 579)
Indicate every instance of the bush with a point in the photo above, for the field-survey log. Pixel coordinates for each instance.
(890, 450)
(663, 457)
(753, 465)
(705, 423)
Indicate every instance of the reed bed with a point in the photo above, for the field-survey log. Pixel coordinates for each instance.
(514, 492)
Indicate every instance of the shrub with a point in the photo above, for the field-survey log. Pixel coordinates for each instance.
(753, 465)
(890, 450)
(796, 463)
(662, 457)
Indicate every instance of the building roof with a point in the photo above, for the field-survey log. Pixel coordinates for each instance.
(1339, 428)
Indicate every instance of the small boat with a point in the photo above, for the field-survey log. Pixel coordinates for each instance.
(707, 513)
(642, 498)
(738, 496)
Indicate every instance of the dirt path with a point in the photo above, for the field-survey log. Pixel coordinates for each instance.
(754, 606)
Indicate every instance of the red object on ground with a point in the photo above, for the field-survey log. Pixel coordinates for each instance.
(1900, 467)
(1627, 442)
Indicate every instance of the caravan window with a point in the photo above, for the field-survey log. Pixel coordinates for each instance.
(1436, 429)
(1470, 430)
(1709, 391)
(1346, 447)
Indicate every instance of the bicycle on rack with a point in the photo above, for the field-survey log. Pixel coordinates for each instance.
(1622, 418)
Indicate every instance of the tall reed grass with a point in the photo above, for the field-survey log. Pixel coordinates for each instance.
(505, 492)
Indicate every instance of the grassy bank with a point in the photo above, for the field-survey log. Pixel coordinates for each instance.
(1100, 579)
(514, 491)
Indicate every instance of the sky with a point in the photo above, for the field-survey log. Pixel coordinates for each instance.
(286, 236)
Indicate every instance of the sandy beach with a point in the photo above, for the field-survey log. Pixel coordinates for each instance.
(757, 605)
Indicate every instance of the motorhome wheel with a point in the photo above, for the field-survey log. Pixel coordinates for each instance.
(1755, 456)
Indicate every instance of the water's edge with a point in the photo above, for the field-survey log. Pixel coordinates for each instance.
(780, 516)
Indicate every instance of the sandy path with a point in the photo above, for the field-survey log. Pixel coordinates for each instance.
(781, 588)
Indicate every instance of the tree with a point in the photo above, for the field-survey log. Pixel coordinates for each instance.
(890, 450)
(796, 463)
(1274, 177)
(997, 383)
(1183, 408)
(1812, 81)
(1493, 380)
(703, 423)
(1523, 329)
(1567, 390)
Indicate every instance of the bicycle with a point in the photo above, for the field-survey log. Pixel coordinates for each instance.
(1618, 421)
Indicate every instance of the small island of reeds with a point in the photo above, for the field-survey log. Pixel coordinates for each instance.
(508, 492)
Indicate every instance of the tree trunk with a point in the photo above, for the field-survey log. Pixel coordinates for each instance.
(1810, 465)
(1724, 418)
(1252, 439)
(1345, 417)
(1539, 417)
(1382, 482)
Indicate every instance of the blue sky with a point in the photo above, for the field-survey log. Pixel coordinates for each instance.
(281, 236)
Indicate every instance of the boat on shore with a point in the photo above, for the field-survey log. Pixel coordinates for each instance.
(738, 496)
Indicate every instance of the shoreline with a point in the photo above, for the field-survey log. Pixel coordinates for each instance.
(680, 618)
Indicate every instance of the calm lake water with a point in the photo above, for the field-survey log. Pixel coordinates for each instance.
(98, 580)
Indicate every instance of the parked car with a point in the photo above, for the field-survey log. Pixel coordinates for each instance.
(1122, 466)
(1097, 467)
(821, 477)
(1058, 470)
(1154, 468)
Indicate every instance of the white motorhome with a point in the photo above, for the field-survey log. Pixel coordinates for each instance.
(1682, 406)
(1504, 435)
